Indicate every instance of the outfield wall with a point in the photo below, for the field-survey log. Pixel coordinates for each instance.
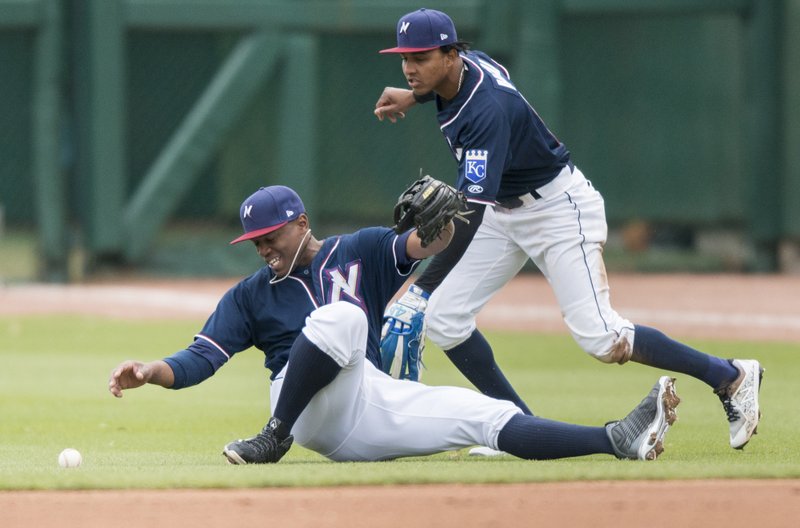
(120, 117)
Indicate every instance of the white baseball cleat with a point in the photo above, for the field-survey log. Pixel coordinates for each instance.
(483, 451)
(740, 401)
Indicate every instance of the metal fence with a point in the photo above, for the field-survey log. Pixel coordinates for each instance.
(120, 117)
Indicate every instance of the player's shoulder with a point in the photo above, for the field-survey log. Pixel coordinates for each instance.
(486, 79)
(359, 243)
(369, 237)
(368, 244)
(262, 274)
(251, 285)
(485, 61)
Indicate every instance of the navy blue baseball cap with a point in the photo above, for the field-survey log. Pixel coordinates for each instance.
(423, 30)
(268, 209)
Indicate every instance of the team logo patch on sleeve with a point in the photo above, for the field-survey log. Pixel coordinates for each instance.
(475, 165)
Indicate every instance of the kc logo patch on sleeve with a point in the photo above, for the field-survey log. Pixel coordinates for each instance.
(475, 165)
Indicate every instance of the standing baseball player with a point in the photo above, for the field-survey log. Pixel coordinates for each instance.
(527, 200)
(316, 310)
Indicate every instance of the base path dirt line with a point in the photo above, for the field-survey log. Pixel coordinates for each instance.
(667, 504)
(750, 307)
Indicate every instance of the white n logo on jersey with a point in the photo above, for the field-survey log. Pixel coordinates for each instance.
(495, 72)
(341, 286)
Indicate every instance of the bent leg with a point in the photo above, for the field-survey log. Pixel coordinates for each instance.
(489, 263)
(308, 371)
(402, 418)
(337, 334)
(571, 257)
(568, 249)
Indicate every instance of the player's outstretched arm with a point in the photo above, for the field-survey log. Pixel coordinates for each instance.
(416, 251)
(132, 374)
(393, 103)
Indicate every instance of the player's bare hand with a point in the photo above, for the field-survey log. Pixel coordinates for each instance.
(393, 103)
(131, 374)
(127, 375)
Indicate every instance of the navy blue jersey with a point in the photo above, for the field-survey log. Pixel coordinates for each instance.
(502, 146)
(365, 268)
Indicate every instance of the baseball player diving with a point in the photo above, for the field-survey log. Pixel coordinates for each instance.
(315, 310)
(526, 199)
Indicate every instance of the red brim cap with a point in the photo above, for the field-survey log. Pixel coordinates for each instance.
(407, 50)
(257, 233)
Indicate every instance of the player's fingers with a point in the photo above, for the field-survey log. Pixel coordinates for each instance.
(113, 379)
(114, 388)
(389, 112)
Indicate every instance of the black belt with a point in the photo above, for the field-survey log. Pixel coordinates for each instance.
(516, 201)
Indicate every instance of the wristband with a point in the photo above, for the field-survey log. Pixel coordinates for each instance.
(416, 290)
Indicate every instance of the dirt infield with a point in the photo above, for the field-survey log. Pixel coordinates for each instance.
(759, 308)
(673, 504)
(751, 307)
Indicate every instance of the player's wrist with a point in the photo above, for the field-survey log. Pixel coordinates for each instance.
(416, 290)
(423, 98)
(415, 298)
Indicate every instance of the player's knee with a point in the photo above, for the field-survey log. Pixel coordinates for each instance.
(619, 352)
(609, 348)
(338, 329)
(445, 326)
(348, 315)
(447, 334)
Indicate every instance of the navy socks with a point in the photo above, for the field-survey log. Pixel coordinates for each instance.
(653, 348)
(309, 370)
(535, 438)
(475, 360)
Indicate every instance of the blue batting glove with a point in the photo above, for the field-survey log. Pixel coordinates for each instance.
(403, 335)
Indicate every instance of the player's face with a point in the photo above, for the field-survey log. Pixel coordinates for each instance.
(426, 71)
(280, 248)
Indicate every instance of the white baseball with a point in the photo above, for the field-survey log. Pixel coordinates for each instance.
(69, 458)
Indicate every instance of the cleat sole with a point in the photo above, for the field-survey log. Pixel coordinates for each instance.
(669, 402)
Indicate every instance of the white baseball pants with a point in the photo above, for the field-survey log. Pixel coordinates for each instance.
(364, 414)
(563, 232)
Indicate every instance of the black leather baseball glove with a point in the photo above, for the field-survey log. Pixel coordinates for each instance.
(429, 205)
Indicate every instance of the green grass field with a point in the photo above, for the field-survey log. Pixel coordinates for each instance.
(53, 395)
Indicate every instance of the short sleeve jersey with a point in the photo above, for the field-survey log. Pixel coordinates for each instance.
(365, 268)
(502, 146)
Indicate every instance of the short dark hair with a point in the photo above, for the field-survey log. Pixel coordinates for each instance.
(460, 45)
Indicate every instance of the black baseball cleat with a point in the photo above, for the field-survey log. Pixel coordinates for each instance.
(264, 448)
(640, 435)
